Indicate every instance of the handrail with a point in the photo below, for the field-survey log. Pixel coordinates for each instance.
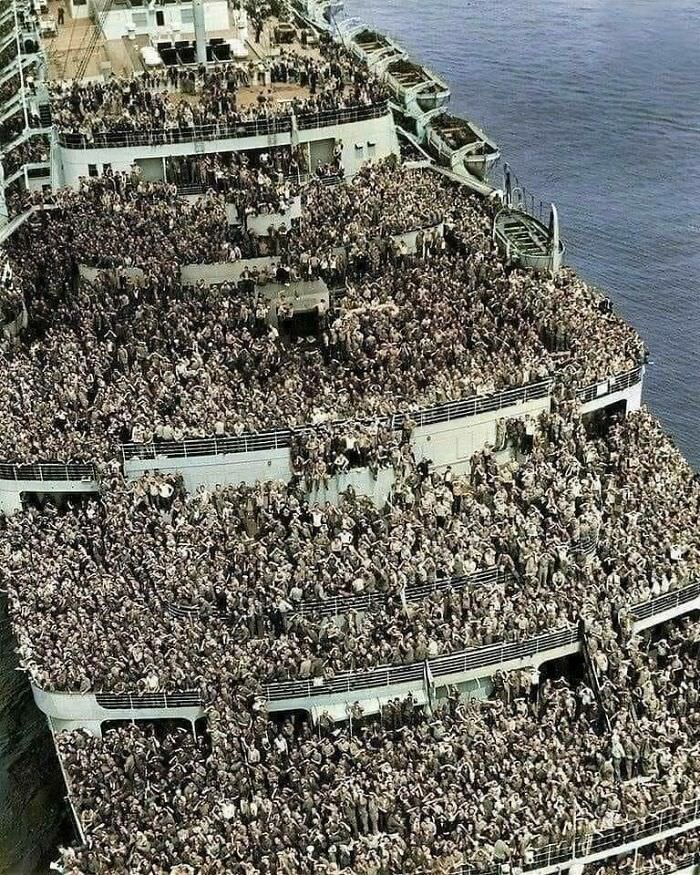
(439, 666)
(339, 605)
(142, 701)
(613, 384)
(387, 675)
(262, 127)
(452, 410)
(281, 438)
(72, 471)
(363, 602)
(662, 603)
(584, 846)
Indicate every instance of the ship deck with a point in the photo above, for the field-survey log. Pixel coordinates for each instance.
(66, 46)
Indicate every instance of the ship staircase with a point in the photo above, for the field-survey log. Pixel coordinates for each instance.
(11, 106)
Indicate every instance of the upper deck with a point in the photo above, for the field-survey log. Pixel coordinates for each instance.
(78, 48)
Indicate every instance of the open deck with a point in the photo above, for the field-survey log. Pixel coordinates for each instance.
(68, 45)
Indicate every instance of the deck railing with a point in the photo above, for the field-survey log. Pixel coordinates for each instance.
(448, 412)
(442, 666)
(281, 438)
(262, 127)
(438, 667)
(48, 471)
(338, 605)
(615, 384)
(633, 832)
(666, 602)
(143, 701)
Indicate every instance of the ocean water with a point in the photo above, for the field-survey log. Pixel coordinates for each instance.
(596, 106)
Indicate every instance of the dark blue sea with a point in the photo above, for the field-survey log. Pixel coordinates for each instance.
(596, 106)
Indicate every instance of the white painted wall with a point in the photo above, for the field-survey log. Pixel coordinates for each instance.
(213, 471)
(11, 490)
(119, 22)
(453, 443)
(379, 131)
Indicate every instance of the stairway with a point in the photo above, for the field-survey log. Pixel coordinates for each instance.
(45, 115)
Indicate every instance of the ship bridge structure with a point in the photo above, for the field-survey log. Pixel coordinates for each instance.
(172, 470)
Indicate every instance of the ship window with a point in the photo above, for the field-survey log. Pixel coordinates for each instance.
(371, 150)
(92, 169)
(160, 18)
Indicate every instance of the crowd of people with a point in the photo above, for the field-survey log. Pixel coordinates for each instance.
(321, 453)
(266, 182)
(242, 561)
(35, 150)
(487, 783)
(659, 858)
(146, 587)
(176, 98)
(143, 358)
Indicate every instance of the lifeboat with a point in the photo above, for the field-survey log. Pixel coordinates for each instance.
(460, 145)
(415, 88)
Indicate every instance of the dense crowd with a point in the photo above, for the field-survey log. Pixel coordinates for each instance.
(328, 450)
(659, 858)
(265, 184)
(176, 98)
(484, 783)
(33, 151)
(145, 358)
(240, 562)
(11, 295)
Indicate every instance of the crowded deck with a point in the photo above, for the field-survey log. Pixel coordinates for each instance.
(338, 538)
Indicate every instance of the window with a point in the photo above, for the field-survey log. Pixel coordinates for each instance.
(92, 169)
(160, 18)
(106, 168)
(371, 150)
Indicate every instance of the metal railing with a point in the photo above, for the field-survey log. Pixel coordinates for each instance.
(263, 127)
(391, 675)
(438, 667)
(143, 701)
(614, 384)
(192, 447)
(280, 439)
(348, 115)
(363, 602)
(666, 602)
(369, 601)
(448, 412)
(678, 818)
(48, 471)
